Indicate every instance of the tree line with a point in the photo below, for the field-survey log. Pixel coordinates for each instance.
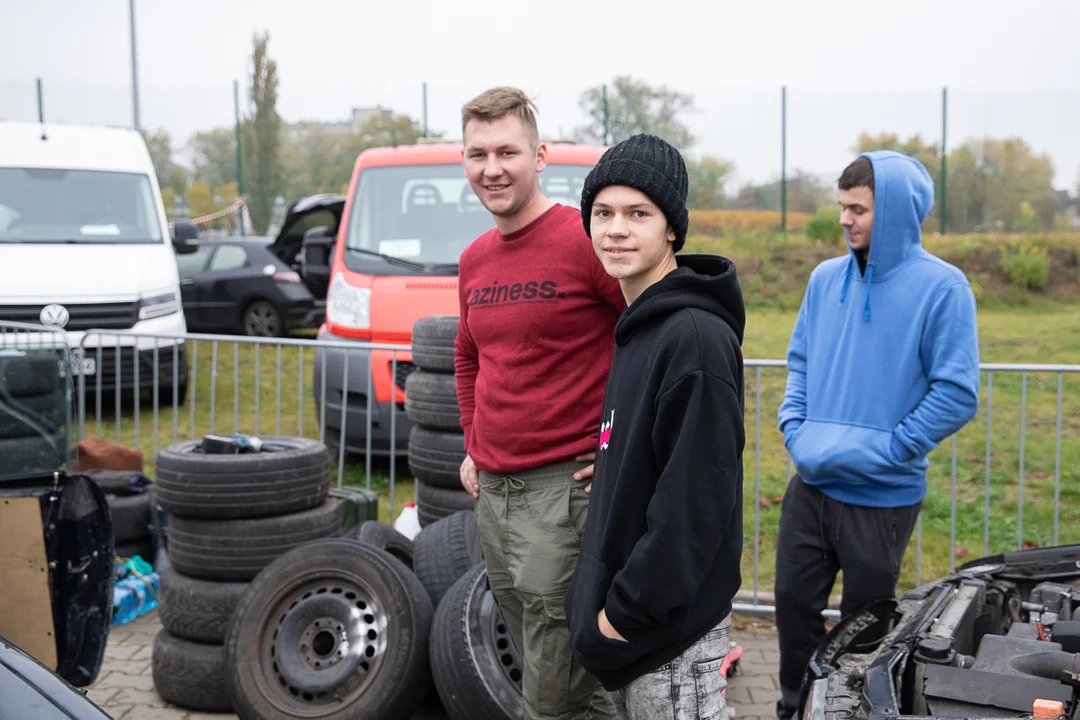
(992, 184)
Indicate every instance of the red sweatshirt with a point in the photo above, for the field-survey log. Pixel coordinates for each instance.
(535, 343)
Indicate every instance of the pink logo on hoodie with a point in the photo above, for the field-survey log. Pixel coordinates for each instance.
(605, 431)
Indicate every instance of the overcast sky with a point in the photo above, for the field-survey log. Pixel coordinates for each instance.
(850, 65)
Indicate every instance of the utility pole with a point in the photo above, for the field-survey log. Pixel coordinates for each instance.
(944, 160)
(134, 67)
(606, 127)
(425, 111)
(239, 154)
(783, 159)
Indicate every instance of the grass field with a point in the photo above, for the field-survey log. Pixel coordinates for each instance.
(225, 401)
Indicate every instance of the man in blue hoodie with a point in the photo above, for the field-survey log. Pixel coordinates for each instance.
(883, 365)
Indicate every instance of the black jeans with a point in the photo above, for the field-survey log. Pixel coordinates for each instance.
(818, 537)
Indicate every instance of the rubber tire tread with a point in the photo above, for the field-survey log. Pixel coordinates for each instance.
(130, 517)
(22, 377)
(446, 550)
(190, 674)
(143, 547)
(197, 610)
(45, 411)
(462, 687)
(435, 457)
(386, 538)
(431, 400)
(433, 343)
(404, 681)
(435, 503)
(114, 482)
(237, 550)
(248, 485)
(33, 455)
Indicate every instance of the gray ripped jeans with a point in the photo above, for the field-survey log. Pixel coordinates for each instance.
(690, 687)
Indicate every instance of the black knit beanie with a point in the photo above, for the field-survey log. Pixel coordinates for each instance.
(651, 165)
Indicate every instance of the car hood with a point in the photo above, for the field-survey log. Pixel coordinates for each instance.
(42, 273)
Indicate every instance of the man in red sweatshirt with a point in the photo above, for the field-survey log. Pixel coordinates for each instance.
(533, 351)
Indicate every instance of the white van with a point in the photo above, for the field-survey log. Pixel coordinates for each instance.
(85, 246)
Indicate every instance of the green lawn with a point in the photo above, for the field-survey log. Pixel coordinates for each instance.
(225, 401)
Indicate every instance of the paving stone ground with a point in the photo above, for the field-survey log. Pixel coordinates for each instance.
(125, 686)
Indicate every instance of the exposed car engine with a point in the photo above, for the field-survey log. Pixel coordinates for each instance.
(996, 639)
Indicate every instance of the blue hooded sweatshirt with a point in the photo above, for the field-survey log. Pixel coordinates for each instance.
(883, 365)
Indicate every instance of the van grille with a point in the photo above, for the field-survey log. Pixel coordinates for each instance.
(107, 316)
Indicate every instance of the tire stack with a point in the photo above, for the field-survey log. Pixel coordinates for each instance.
(35, 406)
(230, 516)
(378, 626)
(436, 442)
(131, 504)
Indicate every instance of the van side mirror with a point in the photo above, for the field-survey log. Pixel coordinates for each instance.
(185, 237)
(318, 244)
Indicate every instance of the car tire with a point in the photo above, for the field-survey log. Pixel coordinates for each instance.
(30, 375)
(445, 550)
(435, 503)
(384, 537)
(474, 663)
(33, 455)
(237, 550)
(197, 610)
(261, 318)
(190, 674)
(433, 343)
(291, 474)
(303, 609)
(130, 517)
(22, 417)
(431, 400)
(435, 457)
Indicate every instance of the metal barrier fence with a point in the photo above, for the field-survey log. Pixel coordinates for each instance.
(1006, 480)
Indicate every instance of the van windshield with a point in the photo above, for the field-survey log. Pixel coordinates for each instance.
(76, 206)
(428, 214)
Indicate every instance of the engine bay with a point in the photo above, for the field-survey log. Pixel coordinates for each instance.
(1000, 638)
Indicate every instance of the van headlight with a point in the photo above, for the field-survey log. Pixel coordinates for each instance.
(348, 306)
(158, 305)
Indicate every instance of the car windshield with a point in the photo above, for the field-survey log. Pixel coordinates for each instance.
(428, 214)
(76, 206)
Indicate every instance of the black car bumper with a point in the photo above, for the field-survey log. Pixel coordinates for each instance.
(107, 369)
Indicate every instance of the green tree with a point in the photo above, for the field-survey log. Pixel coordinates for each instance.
(263, 169)
(806, 192)
(213, 154)
(169, 174)
(707, 179)
(635, 107)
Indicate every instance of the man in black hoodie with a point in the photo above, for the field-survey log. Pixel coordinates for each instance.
(649, 605)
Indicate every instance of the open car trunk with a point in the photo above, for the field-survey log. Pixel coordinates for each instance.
(993, 640)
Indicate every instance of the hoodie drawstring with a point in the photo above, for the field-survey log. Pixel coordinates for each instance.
(869, 280)
(847, 284)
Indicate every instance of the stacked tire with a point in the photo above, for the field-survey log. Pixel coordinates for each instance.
(230, 516)
(35, 408)
(374, 625)
(436, 442)
(131, 504)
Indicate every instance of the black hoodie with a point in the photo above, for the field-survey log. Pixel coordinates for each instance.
(663, 540)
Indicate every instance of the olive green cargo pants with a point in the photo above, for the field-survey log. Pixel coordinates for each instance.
(531, 524)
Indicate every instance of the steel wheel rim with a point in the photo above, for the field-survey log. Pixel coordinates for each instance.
(320, 644)
(496, 637)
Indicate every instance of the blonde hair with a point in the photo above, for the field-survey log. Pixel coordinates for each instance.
(499, 102)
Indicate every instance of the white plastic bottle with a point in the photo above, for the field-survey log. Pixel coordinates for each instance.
(408, 523)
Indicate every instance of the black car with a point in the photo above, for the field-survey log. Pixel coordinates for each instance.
(253, 285)
(991, 640)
